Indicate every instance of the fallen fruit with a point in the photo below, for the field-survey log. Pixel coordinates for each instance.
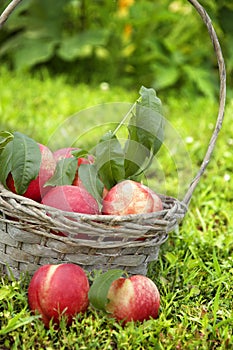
(133, 299)
(130, 197)
(57, 290)
(71, 198)
(36, 189)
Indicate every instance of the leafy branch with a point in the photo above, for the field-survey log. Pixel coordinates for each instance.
(115, 162)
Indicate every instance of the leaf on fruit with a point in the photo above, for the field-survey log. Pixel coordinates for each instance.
(115, 162)
(5, 137)
(146, 128)
(79, 153)
(89, 177)
(99, 289)
(6, 162)
(110, 160)
(64, 173)
(22, 157)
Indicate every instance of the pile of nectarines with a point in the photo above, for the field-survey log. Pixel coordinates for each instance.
(57, 291)
(125, 197)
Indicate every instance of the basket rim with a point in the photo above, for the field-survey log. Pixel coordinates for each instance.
(5, 193)
(27, 217)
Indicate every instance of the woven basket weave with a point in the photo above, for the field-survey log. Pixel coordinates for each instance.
(27, 239)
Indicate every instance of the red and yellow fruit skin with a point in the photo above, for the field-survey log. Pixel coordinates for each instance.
(133, 299)
(127, 197)
(157, 202)
(57, 290)
(71, 198)
(130, 197)
(36, 189)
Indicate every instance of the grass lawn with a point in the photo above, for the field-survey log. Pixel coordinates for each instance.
(194, 272)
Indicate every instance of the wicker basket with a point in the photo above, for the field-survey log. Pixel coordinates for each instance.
(27, 239)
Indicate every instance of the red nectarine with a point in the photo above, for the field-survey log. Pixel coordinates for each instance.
(133, 299)
(158, 204)
(36, 188)
(71, 198)
(127, 197)
(57, 290)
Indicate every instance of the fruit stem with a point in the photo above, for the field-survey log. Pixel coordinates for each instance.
(124, 119)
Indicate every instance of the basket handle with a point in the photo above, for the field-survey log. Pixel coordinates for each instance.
(222, 98)
(222, 88)
(8, 10)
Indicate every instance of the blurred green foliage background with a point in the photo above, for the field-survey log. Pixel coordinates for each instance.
(163, 44)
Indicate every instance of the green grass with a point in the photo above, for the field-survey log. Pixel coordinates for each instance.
(194, 272)
(37, 106)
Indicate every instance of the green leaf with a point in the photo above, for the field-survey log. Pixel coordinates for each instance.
(37, 50)
(81, 44)
(6, 162)
(146, 129)
(202, 79)
(5, 137)
(135, 152)
(150, 100)
(89, 176)
(22, 158)
(149, 120)
(64, 173)
(79, 153)
(166, 76)
(110, 160)
(100, 287)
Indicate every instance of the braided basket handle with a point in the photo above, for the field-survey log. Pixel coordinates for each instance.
(222, 98)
